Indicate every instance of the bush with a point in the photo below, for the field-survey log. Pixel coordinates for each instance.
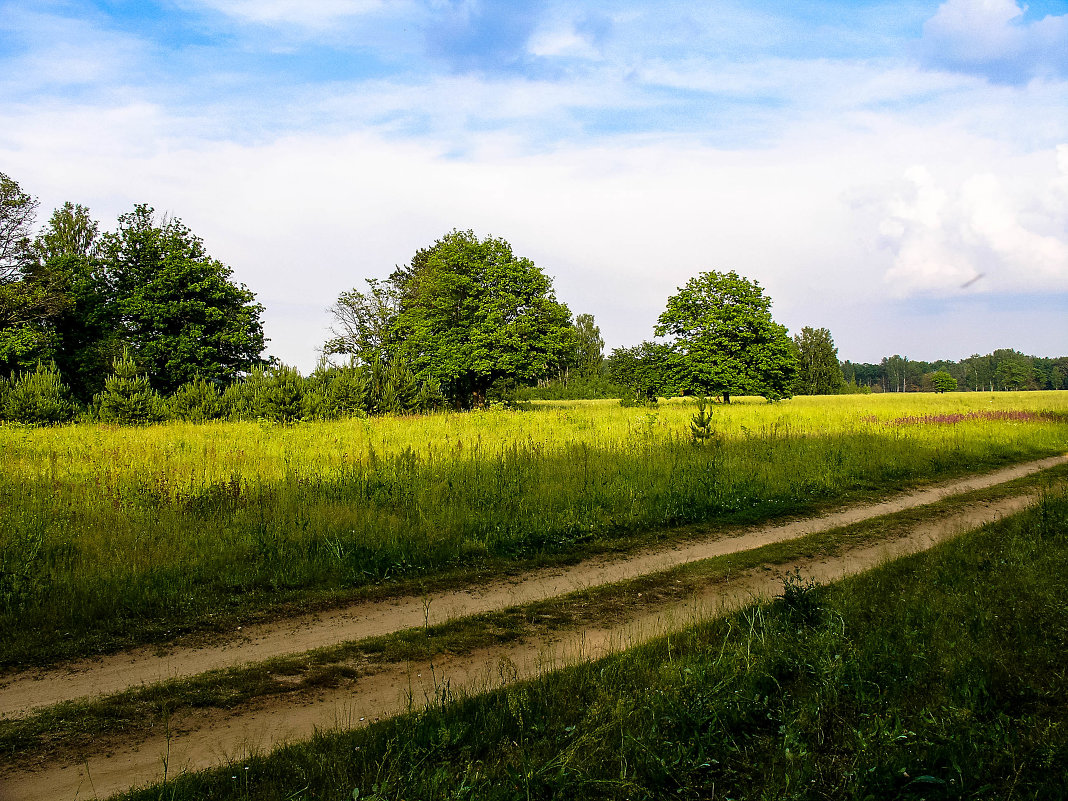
(128, 398)
(196, 402)
(281, 399)
(336, 392)
(240, 400)
(38, 398)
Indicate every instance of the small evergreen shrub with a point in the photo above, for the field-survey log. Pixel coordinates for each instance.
(701, 423)
(127, 397)
(240, 400)
(38, 398)
(196, 402)
(281, 399)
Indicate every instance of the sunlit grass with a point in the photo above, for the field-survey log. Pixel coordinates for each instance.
(940, 675)
(109, 533)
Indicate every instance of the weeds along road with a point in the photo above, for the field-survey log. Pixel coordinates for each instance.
(22, 693)
(201, 739)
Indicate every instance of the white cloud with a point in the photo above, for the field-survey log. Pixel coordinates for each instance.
(305, 13)
(992, 38)
(54, 50)
(563, 41)
(943, 236)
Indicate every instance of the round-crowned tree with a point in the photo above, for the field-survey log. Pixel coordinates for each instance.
(725, 339)
(175, 307)
(465, 313)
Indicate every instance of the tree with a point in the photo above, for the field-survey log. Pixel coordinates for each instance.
(38, 398)
(1014, 370)
(647, 370)
(127, 397)
(17, 212)
(588, 354)
(66, 256)
(726, 340)
(942, 381)
(818, 370)
(362, 322)
(465, 313)
(175, 306)
(27, 306)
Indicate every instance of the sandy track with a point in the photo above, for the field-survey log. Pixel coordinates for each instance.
(207, 739)
(21, 693)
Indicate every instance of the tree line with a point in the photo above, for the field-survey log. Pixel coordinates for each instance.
(140, 323)
(1002, 370)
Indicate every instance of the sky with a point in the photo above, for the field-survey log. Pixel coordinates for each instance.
(896, 172)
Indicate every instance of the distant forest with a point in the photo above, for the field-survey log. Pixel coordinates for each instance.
(1001, 370)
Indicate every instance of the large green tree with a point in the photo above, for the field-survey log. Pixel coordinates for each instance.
(175, 307)
(29, 300)
(649, 370)
(818, 369)
(463, 314)
(721, 327)
(66, 256)
(588, 354)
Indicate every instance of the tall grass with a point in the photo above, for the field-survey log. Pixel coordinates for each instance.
(110, 535)
(939, 676)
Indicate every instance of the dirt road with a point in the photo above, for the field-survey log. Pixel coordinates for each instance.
(202, 739)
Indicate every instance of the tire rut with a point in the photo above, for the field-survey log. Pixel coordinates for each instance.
(24, 692)
(206, 739)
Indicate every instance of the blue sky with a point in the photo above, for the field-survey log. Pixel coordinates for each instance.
(862, 160)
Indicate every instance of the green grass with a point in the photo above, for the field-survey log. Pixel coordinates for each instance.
(71, 727)
(941, 675)
(115, 536)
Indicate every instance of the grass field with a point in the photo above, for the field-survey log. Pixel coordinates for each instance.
(111, 536)
(938, 676)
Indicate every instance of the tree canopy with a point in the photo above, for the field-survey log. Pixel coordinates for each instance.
(465, 313)
(726, 340)
(818, 369)
(176, 307)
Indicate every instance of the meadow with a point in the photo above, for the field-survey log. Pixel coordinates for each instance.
(937, 676)
(111, 536)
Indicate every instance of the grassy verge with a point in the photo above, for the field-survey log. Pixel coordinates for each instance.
(69, 728)
(85, 572)
(937, 676)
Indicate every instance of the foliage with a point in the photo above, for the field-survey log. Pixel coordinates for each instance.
(28, 308)
(462, 315)
(163, 528)
(576, 387)
(942, 381)
(701, 430)
(588, 354)
(176, 307)
(818, 370)
(389, 388)
(363, 322)
(38, 398)
(128, 398)
(1014, 372)
(647, 370)
(196, 402)
(1003, 369)
(280, 398)
(66, 255)
(726, 340)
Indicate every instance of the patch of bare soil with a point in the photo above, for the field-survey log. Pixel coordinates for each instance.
(198, 740)
(22, 693)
